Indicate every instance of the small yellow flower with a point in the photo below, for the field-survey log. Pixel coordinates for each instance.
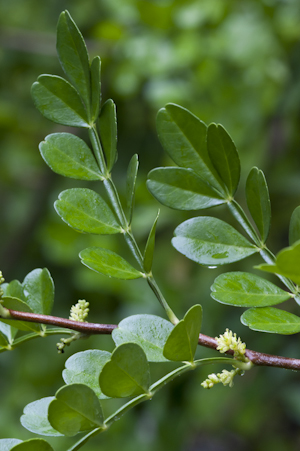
(79, 311)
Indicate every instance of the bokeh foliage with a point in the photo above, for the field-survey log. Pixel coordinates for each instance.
(230, 62)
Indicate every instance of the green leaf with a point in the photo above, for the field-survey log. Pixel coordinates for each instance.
(34, 444)
(148, 331)
(258, 201)
(127, 373)
(294, 230)
(183, 137)
(242, 289)
(272, 320)
(130, 185)
(75, 409)
(16, 304)
(6, 444)
(3, 341)
(73, 56)
(39, 290)
(96, 87)
(85, 210)
(68, 155)
(35, 418)
(286, 263)
(210, 241)
(15, 289)
(8, 331)
(183, 339)
(108, 132)
(85, 367)
(58, 101)
(108, 263)
(224, 156)
(149, 249)
(182, 189)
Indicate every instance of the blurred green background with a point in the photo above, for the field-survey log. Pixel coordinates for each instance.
(231, 62)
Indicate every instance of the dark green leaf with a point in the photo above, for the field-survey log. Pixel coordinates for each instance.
(183, 137)
(75, 409)
(272, 320)
(34, 444)
(108, 132)
(39, 290)
(242, 289)
(130, 184)
(108, 263)
(286, 263)
(85, 367)
(86, 211)
(224, 156)
(127, 373)
(149, 249)
(68, 155)
(6, 444)
(35, 418)
(73, 56)
(294, 230)
(210, 241)
(148, 331)
(258, 201)
(16, 304)
(182, 189)
(96, 87)
(183, 339)
(58, 101)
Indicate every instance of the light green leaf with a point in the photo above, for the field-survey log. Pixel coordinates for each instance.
(148, 331)
(108, 263)
(8, 331)
(183, 339)
(15, 289)
(39, 291)
(127, 373)
(294, 230)
(16, 304)
(75, 409)
(96, 87)
(149, 249)
(108, 132)
(210, 241)
(130, 184)
(68, 155)
(182, 189)
(35, 418)
(73, 56)
(242, 289)
(258, 201)
(58, 101)
(272, 320)
(286, 263)
(85, 367)
(183, 137)
(3, 341)
(6, 444)
(224, 156)
(85, 210)
(34, 444)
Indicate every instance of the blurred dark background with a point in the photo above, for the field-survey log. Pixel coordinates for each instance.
(231, 62)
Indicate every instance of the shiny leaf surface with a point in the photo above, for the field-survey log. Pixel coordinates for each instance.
(272, 320)
(39, 290)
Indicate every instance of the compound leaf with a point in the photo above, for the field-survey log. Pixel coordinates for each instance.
(210, 241)
(127, 373)
(272, 320)
(242, 289)
(35, 418)
(108, 263)
(148, 331)
(86, 211)
(39, 291)
(68, 155)
(75, 408)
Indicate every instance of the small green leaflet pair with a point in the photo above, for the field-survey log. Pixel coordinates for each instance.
(93, 375)
(208, 175)
(34, 295)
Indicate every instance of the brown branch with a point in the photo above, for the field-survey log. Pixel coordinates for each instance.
(257, 358)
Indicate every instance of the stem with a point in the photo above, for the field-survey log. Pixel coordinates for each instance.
(98, 152)
(84, 439)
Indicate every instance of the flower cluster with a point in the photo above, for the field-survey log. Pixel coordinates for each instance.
(229, 341)
(79, 311)
(226, 378)
(1, 282)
